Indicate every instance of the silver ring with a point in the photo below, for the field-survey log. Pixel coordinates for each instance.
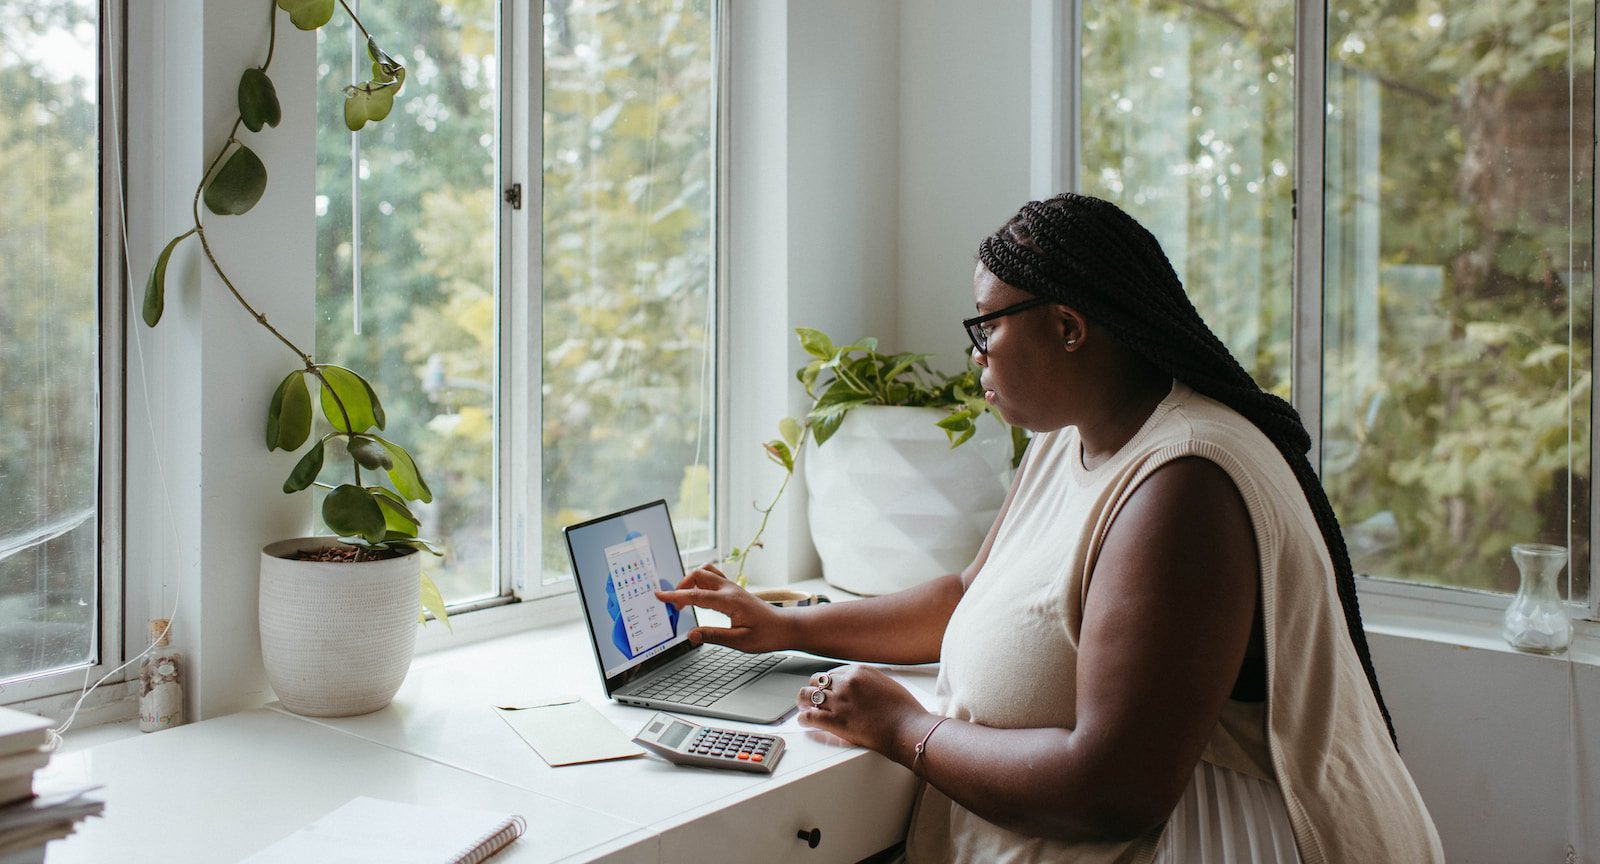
(824, 681)
(818, 697)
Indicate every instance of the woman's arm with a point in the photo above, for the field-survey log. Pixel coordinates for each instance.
(903, 627)
(1166, 622)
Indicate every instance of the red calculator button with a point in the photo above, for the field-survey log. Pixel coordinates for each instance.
(743, 755)
(756, 758)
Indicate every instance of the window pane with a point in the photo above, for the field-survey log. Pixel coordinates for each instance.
(1188, 124)
(1458, 270)
(628, 263)
(49, 335)
(425, 193)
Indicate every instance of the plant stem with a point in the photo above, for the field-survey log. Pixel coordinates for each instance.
(766, 513)
(355, 19)
(272, 38)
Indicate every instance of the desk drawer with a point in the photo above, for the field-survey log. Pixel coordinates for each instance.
(860, 807)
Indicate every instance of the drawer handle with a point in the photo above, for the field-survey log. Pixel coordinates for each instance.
(812, 837)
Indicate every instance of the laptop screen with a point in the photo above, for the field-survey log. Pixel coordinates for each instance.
(620, 561)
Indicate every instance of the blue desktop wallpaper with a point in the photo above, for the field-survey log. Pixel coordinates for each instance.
(589, 545)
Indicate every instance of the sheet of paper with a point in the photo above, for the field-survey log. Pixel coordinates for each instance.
(568, 731)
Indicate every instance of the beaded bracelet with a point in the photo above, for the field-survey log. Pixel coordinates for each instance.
(916, 754)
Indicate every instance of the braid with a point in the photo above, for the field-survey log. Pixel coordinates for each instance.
(1089, 254)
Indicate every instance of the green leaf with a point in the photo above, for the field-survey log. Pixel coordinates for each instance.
(823, 428)
(384, 67)
(958, 440)
(357, 396)
(789, 428)
(903, 362)
(258, 100)
(433, 601)
(155, 288)
(955, 422)
(308, 14)
(352, 511)
(289, 414)
(370, 101)
(404, 475)
(815, 342)
(780, 453)
(238, 185)
(306, 470)
(398, 518)
(368, 453)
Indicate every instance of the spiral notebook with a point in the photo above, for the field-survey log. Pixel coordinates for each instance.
(373, 830)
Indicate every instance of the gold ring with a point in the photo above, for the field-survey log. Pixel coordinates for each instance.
(824, 681)
(818, 697)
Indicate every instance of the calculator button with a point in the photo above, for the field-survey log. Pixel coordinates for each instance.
(756, 757)
(743, 755)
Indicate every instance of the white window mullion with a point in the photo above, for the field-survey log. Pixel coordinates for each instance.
(1310, 122)
(521, 298)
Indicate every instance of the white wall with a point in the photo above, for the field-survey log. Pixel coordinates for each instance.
(872, 146)
(1484, 731)
(208, 358)
(964, 157)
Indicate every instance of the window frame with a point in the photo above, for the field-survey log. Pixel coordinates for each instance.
(518, 340)
(1057, 152)
(53, 692)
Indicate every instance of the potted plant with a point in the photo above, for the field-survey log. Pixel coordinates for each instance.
(891, 504)
(338, 614)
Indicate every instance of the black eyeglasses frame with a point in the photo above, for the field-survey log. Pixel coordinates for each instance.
(979, 337)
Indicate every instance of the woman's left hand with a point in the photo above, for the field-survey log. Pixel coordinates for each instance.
(862, 705)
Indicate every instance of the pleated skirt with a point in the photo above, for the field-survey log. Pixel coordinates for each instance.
(1226, 817)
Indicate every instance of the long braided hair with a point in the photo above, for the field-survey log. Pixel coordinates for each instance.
(1089, 254)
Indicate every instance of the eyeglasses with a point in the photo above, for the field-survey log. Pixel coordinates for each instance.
(979, 334)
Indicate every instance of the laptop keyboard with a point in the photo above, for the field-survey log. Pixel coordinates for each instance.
(709, 678)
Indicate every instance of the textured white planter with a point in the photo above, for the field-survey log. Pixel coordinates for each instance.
(337, 638)
(892, 505)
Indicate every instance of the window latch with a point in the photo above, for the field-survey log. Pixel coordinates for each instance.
(513, 196)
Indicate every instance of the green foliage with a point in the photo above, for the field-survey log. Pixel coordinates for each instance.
(368, 515)
(1458, 322)
(840, 378)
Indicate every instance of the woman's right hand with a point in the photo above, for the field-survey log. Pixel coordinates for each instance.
(754, 625)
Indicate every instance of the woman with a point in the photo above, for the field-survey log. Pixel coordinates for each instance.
(1156, 655)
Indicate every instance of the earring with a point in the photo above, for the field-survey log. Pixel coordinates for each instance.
(1069, 342)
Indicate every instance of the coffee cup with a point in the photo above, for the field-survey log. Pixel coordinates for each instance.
(785, 597)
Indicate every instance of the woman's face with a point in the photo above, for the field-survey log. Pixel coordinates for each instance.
(1024, 373)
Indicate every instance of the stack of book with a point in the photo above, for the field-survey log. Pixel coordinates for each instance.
(29, 821)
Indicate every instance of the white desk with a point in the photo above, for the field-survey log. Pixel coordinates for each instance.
(222, 789)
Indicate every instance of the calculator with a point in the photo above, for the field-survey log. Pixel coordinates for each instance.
(688, 743)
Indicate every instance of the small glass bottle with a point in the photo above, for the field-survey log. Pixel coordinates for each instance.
(160, 682)
(1536, 621)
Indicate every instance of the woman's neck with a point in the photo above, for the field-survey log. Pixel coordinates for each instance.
(1127, 408)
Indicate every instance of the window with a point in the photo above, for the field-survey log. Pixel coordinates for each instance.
(1456, 200)
(415, 222)
(51, 352)
(1458, 321)
(1188, 123)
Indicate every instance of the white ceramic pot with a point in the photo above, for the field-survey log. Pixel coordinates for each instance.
(337, 638)
(892, 505)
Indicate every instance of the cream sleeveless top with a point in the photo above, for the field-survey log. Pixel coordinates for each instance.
(1315, 755)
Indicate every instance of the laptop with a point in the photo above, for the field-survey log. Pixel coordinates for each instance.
(642, 644)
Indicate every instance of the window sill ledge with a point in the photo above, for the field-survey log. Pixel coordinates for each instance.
(1465, 619)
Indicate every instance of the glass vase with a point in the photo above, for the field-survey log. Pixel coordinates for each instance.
(1536, 621)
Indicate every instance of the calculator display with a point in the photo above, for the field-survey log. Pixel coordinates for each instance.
(675, 734)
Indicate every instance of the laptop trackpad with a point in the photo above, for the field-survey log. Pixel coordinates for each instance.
(776, 693)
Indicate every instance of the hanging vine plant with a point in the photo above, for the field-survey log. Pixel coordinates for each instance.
(373, 517)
